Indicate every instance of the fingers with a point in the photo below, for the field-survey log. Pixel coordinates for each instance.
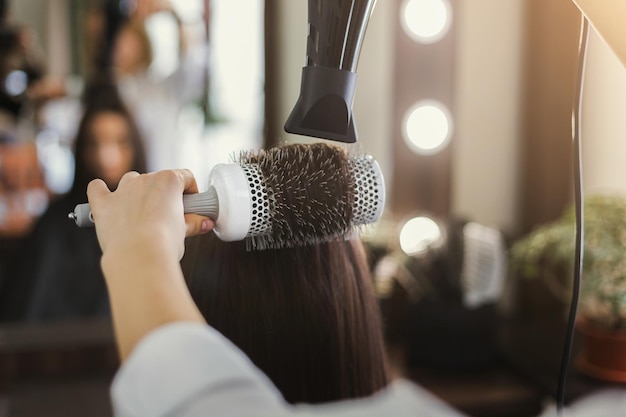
(96, 189)
(183, 176)
(197, 225)
(127, 177)
(189, 180)
(174, 181)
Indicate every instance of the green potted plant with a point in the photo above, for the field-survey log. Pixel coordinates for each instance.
(602, 307)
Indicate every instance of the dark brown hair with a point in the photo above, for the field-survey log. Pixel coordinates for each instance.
(306, 316)
(99, 97)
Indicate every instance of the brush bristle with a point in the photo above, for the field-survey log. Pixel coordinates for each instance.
(311, 193)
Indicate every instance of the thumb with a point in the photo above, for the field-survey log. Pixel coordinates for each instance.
(197, 224)
(96, 189)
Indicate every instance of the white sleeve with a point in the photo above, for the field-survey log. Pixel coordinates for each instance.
(186, 83)
(177, 364)
(400, 399)
(191, 370)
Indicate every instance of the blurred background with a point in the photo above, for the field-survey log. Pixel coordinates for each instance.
(467, 106)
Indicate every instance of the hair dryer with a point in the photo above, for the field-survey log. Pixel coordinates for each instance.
(336, 31)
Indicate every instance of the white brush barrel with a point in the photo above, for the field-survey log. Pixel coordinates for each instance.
(233, 194)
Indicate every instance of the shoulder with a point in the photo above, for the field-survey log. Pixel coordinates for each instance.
(400, 399)
(198, 360)
(59, 207)
(54, 222)
(204, 373)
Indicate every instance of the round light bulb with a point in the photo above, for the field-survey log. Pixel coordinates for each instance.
(16, 82)
(418, 234)
(427, 127)
(426, 21)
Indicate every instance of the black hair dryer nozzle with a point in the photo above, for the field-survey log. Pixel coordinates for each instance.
(336, 32)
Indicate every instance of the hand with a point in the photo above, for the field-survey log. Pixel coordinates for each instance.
(141, 229)
(145, 8)
(46, 88)
(146, 211)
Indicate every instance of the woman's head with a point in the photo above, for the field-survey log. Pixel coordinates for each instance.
(306, 316)
(108, 143)
(132, 50)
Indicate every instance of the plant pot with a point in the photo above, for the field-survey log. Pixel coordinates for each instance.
(604, 352)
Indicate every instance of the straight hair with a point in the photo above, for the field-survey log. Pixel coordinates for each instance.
(306, 316)
(101, 97)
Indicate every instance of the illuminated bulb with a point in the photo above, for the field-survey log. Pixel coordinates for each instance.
(418, 234)
(426, 21)
(427, 127)
(16, 82)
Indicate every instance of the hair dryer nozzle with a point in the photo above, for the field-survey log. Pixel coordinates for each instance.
(336, 29)
(324, 108)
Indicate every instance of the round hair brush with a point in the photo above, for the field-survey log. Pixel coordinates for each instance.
(287, 196)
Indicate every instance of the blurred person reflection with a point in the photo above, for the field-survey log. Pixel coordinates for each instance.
(57, 274)
(21, 67)
(126, 49)
(23, 194)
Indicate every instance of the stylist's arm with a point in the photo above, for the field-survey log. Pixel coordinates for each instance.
(141, 229)
(184, 368)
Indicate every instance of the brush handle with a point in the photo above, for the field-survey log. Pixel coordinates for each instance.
(228, 201)
(205, 204)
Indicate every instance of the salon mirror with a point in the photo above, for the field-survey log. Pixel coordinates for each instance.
(203, 64)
